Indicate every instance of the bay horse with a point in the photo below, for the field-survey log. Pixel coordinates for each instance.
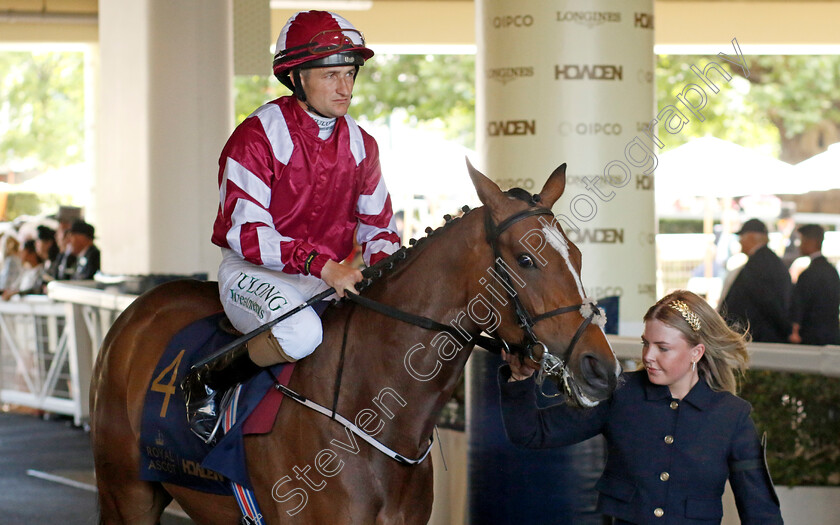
(396, 374)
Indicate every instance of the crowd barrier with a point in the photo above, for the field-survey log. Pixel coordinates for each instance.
(48, 345)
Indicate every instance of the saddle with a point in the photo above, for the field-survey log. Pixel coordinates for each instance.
(170, 452)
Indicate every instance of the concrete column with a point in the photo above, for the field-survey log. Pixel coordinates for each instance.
(564, 81)
(165, 111)
(568, 81)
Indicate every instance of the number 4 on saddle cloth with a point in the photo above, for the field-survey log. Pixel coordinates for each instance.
(170, 452)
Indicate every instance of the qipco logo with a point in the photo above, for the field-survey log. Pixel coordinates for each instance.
(501, 22)
(590, 128)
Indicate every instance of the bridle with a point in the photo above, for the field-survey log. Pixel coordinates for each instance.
(550, 364)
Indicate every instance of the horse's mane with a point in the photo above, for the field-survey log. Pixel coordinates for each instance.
(382, 268)
(376, 272)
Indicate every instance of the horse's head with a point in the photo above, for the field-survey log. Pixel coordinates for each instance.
(534, 278)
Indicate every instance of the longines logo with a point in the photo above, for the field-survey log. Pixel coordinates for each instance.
(511, 127)
(590, 180)
(643, 20)
(506, 74)
(589, 19)
(589, 72)
(597, 235)
(513, 21)
(590, 128)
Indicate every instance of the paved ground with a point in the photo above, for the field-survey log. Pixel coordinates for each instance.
(32, 449)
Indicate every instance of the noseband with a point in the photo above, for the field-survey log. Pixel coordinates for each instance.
(550, 364)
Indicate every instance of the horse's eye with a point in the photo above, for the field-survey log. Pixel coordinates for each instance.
(524, 260)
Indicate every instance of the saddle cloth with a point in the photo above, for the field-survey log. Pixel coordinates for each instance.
(170, 452)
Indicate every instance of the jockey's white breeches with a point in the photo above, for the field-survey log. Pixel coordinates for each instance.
(253, 295)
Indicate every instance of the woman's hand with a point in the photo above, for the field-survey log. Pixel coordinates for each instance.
(519, 371)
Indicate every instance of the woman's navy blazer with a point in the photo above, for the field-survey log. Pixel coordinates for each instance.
(668, 460)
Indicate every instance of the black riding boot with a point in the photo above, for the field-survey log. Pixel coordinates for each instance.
(204, 388)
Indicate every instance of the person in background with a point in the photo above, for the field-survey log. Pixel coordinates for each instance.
(815, 307)
(10, 271)
(48, 251)
(675, 430)
(66, 263)
(80, 241)
(759, 296)
(29, 280)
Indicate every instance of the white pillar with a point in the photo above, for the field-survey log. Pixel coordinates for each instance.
(165, 111)
(568, 81)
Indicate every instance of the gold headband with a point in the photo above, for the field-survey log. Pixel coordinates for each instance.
(689, 316)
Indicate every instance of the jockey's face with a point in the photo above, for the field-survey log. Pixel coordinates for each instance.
(329, 89)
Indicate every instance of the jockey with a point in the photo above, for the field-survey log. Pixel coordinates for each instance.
(297, 178)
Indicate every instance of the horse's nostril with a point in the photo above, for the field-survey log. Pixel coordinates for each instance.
(594, 372)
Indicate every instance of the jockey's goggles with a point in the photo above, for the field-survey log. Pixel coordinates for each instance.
(329, 41)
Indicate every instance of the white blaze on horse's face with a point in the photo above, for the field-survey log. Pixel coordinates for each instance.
(558, 242)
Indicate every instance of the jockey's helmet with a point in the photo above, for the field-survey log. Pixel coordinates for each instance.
(316, 39)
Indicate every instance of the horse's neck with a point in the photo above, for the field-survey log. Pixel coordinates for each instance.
(395, 376)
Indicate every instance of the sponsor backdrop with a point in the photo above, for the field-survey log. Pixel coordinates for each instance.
(564, 81)
(572, 81)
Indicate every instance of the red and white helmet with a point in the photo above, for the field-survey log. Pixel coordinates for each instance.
(317, 39)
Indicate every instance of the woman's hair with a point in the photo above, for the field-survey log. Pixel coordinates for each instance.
(726, 349)
(10, 245)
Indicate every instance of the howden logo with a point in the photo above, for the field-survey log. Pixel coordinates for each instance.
(597, 236)
(511, 127)
(588, 72)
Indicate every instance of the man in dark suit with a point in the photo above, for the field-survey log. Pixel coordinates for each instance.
(815, 308)
(81, 245)
(760, 295)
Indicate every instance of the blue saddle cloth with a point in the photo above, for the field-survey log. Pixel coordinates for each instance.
(169, 451)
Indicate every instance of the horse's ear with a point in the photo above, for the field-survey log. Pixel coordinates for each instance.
(554, 186)
(488, 192)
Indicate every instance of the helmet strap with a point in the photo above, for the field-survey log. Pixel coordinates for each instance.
(299, 92)
(311, 109)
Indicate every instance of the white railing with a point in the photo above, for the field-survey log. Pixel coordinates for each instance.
(37, 362)
(48, 344)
